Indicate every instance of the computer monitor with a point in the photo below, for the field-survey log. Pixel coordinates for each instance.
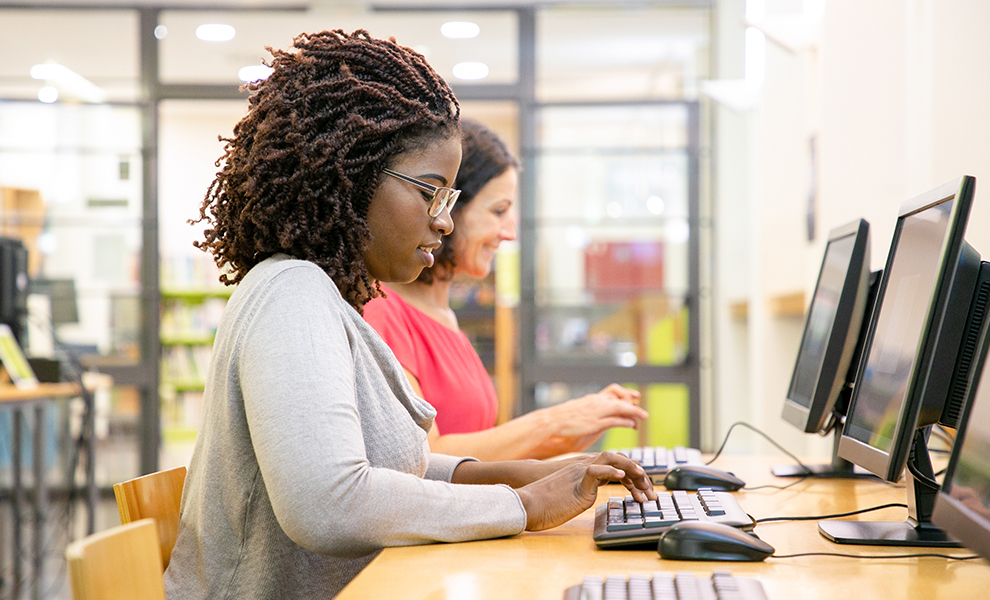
(912, 374)
(962, 507)
(824, 370)
(62, 295)
(13, 285)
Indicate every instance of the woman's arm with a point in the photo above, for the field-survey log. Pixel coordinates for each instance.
(571, 426)
(570, 489)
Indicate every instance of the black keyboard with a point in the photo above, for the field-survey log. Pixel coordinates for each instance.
(722, 585)
(624, 523)
(657, 460)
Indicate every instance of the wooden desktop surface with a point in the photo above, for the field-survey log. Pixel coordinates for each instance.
(544, 564)
(9, 393)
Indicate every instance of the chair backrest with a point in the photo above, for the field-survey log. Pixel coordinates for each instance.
(155, 496)
(117, 564)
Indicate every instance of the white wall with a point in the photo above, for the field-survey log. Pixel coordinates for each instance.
(897, 93)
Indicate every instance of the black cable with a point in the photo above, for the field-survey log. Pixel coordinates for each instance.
(833, 516)
(776, 487)
(880, 556)
(921, 477)
(767, 437)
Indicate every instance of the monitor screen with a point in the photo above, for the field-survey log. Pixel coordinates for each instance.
(900, 326)
(832, 328)
(963, 505)
(927, 319)
(901, 343)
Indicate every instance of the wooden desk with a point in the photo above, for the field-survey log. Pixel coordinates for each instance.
(542, 565)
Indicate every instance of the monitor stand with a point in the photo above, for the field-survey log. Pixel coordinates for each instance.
(918, 529)
(839, 468)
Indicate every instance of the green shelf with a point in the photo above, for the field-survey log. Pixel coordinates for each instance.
(188, 339)
(186, 385)
(196, 293)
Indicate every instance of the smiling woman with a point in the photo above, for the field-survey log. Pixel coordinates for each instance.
(418, 324)
(312, 454)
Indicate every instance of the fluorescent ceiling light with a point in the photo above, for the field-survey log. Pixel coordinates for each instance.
(48, 94)
(68, 81)
(470, 70)
(215, 32)
(460, 30)
(254, 73)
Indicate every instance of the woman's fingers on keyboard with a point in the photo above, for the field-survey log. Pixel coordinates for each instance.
(633, 477)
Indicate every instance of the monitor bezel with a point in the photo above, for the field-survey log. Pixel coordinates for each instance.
(889, 465)
(842, 337)
(950, 514)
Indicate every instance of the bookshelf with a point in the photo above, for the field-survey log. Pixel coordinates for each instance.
(189, 320)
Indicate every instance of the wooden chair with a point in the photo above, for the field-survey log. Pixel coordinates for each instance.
(117, 564)
(155, 496)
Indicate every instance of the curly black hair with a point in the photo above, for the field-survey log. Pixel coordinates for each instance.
(484, 156)
(303, 165)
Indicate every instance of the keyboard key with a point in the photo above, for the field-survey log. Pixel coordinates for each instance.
(591, 588)
(652, 522)
(687, 587)
(651, 509)
(625, 526)
(663, 587)
(639, 587)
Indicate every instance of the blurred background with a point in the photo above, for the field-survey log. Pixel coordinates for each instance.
(683, 162)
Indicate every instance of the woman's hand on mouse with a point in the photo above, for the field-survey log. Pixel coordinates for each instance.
(573, 489)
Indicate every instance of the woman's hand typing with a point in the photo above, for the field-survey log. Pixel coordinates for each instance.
(573, 489)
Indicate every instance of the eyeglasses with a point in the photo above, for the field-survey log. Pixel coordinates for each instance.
(443, 197)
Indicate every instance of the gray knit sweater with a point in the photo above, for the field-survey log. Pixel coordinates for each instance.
(312, 454)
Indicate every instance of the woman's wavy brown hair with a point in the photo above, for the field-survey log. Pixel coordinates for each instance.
(303, 165)
(484, 156)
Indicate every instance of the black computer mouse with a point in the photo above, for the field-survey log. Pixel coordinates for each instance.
(698, 540)
(693, 477)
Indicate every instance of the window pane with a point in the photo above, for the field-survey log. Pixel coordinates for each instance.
(612, 234)
(596, 54)
(187, 59)
(73, 194)
(99, 46)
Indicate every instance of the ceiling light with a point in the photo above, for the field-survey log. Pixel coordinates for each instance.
(161, 31)
(470, 70)
(254, 73)
(460, 30)
(215, 32)
(655, 205)
(48, 94)
(614, 209)
(68, 81)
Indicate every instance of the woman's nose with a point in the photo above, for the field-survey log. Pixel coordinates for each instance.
(443, 222)
(509, 229)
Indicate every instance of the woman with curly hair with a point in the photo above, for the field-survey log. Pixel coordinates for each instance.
(416, 321)
(312, 454)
